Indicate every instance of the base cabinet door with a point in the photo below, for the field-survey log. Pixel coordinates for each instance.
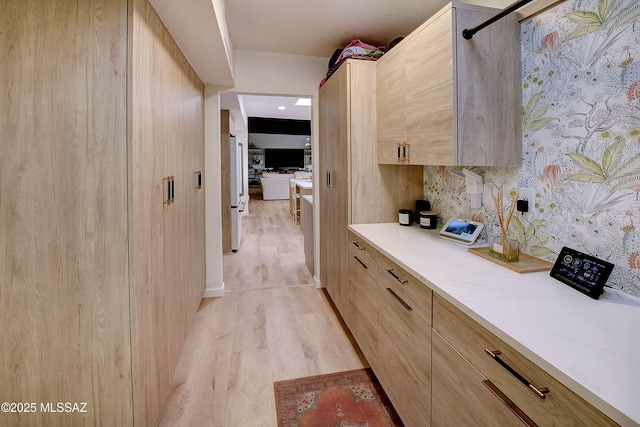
(404, 355)
(461, 395)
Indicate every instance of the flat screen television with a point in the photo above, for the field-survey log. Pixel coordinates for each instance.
(284, 158)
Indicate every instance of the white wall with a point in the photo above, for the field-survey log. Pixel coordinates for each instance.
(258, 73)
(213, 195)
(264, 73)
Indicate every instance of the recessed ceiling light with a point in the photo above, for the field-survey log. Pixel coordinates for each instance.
(304, 102)
(282, 107)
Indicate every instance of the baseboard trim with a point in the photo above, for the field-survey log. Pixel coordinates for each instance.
(318, 282)
(214, 292)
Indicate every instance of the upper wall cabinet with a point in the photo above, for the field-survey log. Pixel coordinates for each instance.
(445, 100)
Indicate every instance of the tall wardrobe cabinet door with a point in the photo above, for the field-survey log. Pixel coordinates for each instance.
(333, 187)
(64, 270)
(167, 137)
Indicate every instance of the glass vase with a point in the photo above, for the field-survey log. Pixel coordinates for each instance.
(503, 248)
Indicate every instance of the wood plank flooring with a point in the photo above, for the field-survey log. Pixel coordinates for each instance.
(271, 325)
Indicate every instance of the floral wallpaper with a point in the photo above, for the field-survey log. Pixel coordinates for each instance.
(581, 140)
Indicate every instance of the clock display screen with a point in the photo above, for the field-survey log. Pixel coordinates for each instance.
(581, 271)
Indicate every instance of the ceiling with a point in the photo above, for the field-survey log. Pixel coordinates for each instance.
(268, 106)
(318, 28)
(299, 27)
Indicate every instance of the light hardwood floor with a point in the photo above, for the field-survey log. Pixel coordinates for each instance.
(271, 325)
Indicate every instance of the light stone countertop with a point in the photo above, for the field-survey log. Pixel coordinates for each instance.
(306, 184)
(591, 346)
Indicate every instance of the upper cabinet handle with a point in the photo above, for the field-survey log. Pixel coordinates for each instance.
(540, 392)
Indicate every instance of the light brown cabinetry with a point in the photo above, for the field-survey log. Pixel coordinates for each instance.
(353, 188)
(404, 342)
(552, 404)
(460, 396)
(444, 100)
(363, 297)
(99, 279)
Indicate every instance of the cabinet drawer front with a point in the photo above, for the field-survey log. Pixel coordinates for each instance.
(459, 396)
(404, 359)
(362, 283)
(364, 252)
(560, 406)
(405, 286)
(363, 302)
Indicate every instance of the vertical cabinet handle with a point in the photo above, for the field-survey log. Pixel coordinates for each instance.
(167, 199)
(330, 178)
(170, 189)
(395, 276)
(403, 152)
(509, 403)
(540, 392)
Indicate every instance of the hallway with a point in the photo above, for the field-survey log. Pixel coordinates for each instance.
(272, 324)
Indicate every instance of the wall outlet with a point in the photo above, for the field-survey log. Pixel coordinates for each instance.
(528, 194)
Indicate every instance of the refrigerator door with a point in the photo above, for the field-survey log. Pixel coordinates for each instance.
(236, 228)
(236, 183)
(236, 172)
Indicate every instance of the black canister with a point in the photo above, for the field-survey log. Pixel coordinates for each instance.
(421, 205)
(427, 219)
(405, 216)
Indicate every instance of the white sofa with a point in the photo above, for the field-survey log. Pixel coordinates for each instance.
(275, 186)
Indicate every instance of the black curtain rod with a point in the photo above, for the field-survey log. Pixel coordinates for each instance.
(469, 32)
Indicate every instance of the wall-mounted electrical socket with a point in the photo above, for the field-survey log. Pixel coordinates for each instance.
(528, 194)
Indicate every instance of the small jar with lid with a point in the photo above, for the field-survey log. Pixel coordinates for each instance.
(427, 219)
(405, 217)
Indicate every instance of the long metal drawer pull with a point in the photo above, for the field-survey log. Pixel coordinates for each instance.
(361, 263)
(400, 300)
(512, 406)
(355, 243)
(395, 276)
(540, 392)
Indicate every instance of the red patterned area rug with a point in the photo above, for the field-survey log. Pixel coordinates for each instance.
(344, 399)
